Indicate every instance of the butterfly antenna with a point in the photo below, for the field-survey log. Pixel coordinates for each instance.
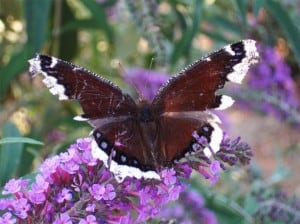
(147, 82)
(124, 74)
(151, 63)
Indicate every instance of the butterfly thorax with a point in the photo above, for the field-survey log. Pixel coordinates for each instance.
(145, 113)
(148, 129)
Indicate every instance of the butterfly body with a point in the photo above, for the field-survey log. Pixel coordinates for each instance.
(139, 139)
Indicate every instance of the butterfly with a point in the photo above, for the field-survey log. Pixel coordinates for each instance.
(138, 139)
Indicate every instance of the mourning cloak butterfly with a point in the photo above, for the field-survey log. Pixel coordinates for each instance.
(139, 139)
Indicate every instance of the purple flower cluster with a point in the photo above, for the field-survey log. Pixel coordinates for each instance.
(274, 89)
(233, 152)
(190, 208)
(146, 82)
(73, 187)
(275, 206)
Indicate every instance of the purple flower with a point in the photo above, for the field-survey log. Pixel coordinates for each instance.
(63, 219)
(90, 207)
(36, 197)
(147, 193)
(14, 186)
(88, 158)
(147, 82)
(64, 195)
(97, 191)
(49, 167)
(174, 192)
(126, 219)
(190, 208)
(40, 185)
(215, 169)
(200, 139)
(71, 167)
(7, 218)
(234, 152)
(110, 193)
(5, 203)
(168, 176)
(184, 170)
(90, 219)
(208, 217)
(21, 207)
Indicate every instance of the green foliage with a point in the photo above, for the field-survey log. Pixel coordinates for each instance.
(17, 140)
(289, 26)
(36, 13)
(10, 154)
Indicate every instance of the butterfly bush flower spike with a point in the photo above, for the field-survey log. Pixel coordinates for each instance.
(275, 206)
(190, 208)
(275, 91)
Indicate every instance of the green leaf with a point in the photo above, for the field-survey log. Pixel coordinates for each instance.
(242, 8)
(10, 154)
(257, 5)
(287, 25)
(224, 24)
(225, 208)
(180, 17)
(184, 45)
(17, 63)
(11, 140)
(99, 17)
(217, 37)
(67, 45)
(36, 16)
(250, 203)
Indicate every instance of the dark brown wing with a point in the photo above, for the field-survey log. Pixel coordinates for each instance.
(123, 148)
(176, 131)
(194, 88)
(182, 103)
(98, 97)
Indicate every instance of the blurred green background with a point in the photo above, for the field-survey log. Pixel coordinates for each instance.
(109, 37)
